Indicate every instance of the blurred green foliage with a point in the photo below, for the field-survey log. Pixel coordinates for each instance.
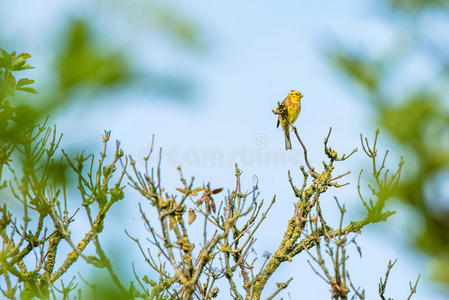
(82, 62)
(416, 118)
(85, 64)
(90, 61)
(14, 119)
(417, 6)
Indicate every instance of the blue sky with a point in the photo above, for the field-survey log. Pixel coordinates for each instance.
(256, 55)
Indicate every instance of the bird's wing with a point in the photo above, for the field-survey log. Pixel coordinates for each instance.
(279, 117)
(283, 103)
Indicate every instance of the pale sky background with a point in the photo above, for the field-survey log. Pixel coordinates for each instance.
(256, 55)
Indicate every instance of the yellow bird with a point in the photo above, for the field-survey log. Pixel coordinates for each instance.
(292, 103)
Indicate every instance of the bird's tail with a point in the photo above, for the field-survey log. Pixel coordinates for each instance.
(288, 144)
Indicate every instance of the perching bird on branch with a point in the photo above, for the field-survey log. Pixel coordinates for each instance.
(292, 105)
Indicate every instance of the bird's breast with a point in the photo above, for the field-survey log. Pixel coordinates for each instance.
(293, 111)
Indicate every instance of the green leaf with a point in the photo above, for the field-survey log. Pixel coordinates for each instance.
(26, 67)
(6, 59)
(28, 90)
(20, 66)
(24, 81)
(17, 64)
(24, 55)
(367, 73)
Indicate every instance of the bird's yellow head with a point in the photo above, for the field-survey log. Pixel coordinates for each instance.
(295, 95)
